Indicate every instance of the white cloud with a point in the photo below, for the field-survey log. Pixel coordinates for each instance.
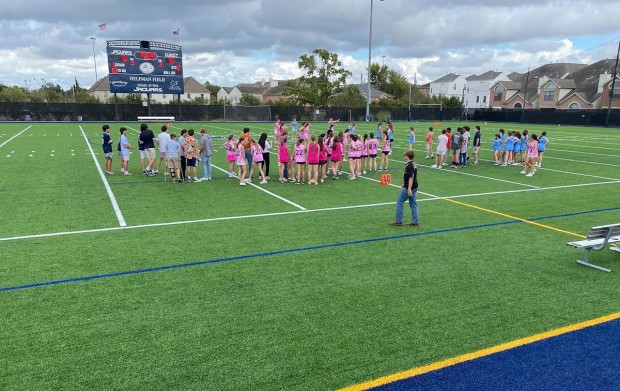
(249, 40)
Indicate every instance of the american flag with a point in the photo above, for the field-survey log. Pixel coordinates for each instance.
(176, 32)
(102, 26)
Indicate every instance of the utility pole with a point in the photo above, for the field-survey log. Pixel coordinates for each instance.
(613, 86)
(94, 58)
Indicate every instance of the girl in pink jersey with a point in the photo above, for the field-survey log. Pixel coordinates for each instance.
(344, 139)
(329, 143)
(304, 132)
(277, 130)
(230, 155)
(355, 154)
(322, 158)
(284, 159)
(532, 156)
(313, 161)
(364, 154)
(336, 156)
(385, 151)
(240, 161)
(373, 146)
(257, 160)
(300, 160)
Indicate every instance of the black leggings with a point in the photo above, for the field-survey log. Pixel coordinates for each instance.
(183, 167)
(265, 163)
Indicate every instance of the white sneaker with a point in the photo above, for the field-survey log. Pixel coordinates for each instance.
(434, 166)
(352, 178)
(247, 180)
(522, 172)
(263, 181)
(231, 175)
(241, 183)
(530, 174)
(364, 172)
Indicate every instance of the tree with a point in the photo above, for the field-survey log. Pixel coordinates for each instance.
(323, 76)
(350, 97)
(379, 76)
(213, 90)
(14, 94)
(249, 100)
(453, 101)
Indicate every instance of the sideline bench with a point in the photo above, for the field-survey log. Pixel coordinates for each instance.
(155, 119)
(597, 239)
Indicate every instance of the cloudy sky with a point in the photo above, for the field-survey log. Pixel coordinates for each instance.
(230, 41)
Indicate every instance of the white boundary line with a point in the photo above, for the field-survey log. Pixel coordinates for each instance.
(470, 174)
(6, 142)
(266, 191)
(97, 230)
(117, 210)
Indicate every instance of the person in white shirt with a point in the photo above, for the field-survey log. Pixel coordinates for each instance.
(162, 139)
(442, 147)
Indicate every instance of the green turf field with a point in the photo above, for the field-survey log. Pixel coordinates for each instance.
(215, 286)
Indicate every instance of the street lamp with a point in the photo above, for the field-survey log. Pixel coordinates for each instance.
(369, 57)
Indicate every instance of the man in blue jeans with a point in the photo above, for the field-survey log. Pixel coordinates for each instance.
(408, 192)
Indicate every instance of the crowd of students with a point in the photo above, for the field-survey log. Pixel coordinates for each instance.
(307, 158)
(303, 157)
(512, 149)
(180, 154)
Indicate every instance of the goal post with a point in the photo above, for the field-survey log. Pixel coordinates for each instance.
(247, 113)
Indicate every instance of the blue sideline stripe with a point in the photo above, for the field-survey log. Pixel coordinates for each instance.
(290, 251)
(250, 256)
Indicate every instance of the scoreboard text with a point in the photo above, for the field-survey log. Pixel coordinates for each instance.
(138, 67)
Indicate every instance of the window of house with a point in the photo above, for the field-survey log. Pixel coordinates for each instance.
(549, 92)
(498, 93)
(574, 106)
(202, 96)
(454, 88)
(477, 99)
(518, 105)
(484, 99)
(163, 96)
(189, 96)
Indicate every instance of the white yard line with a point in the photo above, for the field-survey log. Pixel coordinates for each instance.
(267, 191)
(6, 142)
(454, 171)
(582, 161)
(117, 209)
(227, 218)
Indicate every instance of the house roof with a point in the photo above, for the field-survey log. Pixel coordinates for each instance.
(447, 78)
(192, 86)
(587, 78)
(489, 75)
(564, 83)
(374, 93)
(550, 71)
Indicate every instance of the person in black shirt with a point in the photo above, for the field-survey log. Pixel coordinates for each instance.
(146, 139)
(408, 192)
(106, 143)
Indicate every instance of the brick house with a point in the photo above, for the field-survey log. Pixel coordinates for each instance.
(558, 86)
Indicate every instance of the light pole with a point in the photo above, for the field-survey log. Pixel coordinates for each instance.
(94, 58)
(369, 57)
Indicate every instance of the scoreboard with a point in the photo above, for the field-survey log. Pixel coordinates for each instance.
(138, 67)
